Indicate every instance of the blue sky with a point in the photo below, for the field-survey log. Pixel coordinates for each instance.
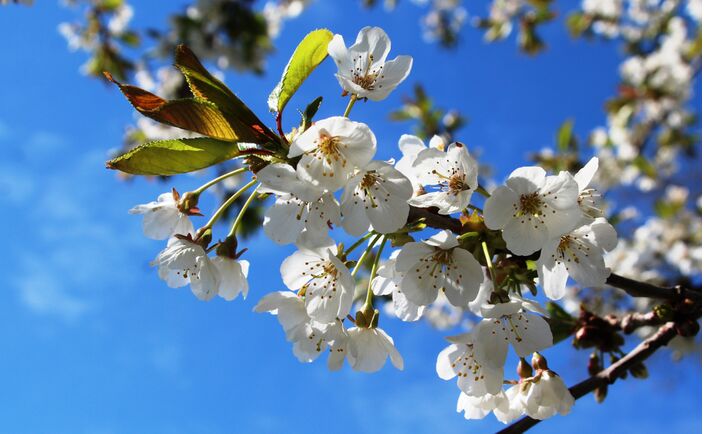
(95, 343)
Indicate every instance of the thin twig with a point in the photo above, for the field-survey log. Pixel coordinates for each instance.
(609, 375)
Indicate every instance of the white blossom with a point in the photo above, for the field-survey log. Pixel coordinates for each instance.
(589, 200)
(543, 396)
(362, 69)
(377, 195)
(309, 337)
(368, 348)
(163, 218)
(452, 174)
(578, 254)
(477, 407)
(439, 264)
(327, 283)
(388, 282)
(232, 277)
(410, 146)
(331, 150)
(510, 323)
(474, 377)
(184, 261)
(532, 207)
(299, 205)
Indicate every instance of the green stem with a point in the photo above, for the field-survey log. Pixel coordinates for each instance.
(249, 200)
(476, 208)
(357, 243)
(481, 190)
(364, 255)
(353, 99)
(227, 203)
(369, 301)
(209, 184)
(489, 264)
(466, 235)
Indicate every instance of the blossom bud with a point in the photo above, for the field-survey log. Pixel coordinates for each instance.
(639, 370)
(361, 320)
(523, 369)
(228, 248)
(188, 204)
(594, 365)
(539, 362)
(204, 236)
(600, 393)
(687, 328)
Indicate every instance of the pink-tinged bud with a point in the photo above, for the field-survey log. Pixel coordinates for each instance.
(687, 328)
(523, 369)
(539, 362)
(594, 365)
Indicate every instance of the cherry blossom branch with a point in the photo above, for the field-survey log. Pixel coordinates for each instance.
(609, 375)
(634, 288)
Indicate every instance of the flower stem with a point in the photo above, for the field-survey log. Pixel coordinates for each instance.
(210, 183)
(481, 190)
(475, 208)
(369, 301)
(489, 264)
(357, 243)
(242, 211)
(353, 99)
(227, 204)
(364, 255)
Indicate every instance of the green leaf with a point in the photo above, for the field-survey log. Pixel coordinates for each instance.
(205, 86)
(171, 157)
(565, 138)
(309, 113)
(312, 50)
(196, 115)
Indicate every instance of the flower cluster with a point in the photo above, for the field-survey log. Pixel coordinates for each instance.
(536, 229)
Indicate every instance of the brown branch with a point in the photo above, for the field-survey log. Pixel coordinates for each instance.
(609, 375)
(634, 320)
(636, 288)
